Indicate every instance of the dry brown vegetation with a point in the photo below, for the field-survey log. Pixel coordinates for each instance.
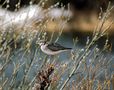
(24, 67)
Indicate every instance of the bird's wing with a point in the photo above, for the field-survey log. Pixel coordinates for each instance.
(56, 47)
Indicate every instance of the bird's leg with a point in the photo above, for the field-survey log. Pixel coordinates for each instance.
(45, 61)
(49, 59)
(54, 59)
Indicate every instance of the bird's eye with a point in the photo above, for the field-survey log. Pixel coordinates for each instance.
(42, 43)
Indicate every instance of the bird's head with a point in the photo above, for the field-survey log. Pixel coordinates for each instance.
(42, 42)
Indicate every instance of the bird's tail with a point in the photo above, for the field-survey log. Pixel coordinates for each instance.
(68, 48)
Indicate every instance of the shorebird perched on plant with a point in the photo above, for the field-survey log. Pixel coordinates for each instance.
(52, 48)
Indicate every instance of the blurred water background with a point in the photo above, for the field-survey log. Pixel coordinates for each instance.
(81, 24)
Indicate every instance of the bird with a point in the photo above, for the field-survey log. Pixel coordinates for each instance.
(52, 48)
